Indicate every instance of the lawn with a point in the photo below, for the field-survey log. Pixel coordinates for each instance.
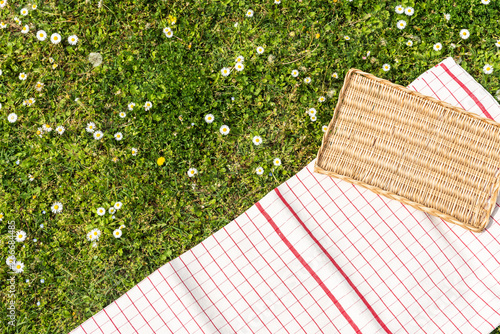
(109, 54)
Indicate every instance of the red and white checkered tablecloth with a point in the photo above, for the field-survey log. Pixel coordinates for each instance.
(320, 255)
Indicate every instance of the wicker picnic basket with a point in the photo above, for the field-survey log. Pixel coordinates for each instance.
(413, 148)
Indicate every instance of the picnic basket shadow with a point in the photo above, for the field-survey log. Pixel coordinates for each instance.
(415, 149)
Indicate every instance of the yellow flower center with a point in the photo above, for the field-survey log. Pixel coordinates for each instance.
(55, 38)
(18, 266)
(224, 130)
(56, 207)
(95, 233)
(38, 132)
(20, 236)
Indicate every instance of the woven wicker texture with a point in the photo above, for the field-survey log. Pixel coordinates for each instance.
(415, 149)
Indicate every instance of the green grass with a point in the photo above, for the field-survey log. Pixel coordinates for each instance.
(164, 211)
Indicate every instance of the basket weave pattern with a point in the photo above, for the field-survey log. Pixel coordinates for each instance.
(415, 149)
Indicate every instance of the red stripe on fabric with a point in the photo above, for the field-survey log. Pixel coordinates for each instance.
(381, 238)
(271, 289)
(112, 319)
(309, 269)
(447, 90)
(98, 324)
(467, 90)
(286, 265)
(83, 329)
(375, 315)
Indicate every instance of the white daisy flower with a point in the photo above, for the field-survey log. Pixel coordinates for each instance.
(122, 226)
(10, 260)
(321, 99)
(111, 210)
(239, 67)
(34, 6)
(437, 47)
(260, 50)
(259, 170)
(18, 267)
(257, 140)
(39, 132)
(98, 135)
(117, 233)
(386, 67)
(118, 136)
(20, 236)
(57, 207)
(277, 161)
(224, 130)
(0, 106)
(89, 236)
(347, 38)
(24, 11)
(335, 75)
(324, 128)
(409, 43)
(46, 128)
(90, 127)
(134, 151)
(464, 33)
(3, 3)
(447, 16)
(51, 60)
(295, 73)
(169, 34)
(409, 11)
(209, 118)
(166, 30)
(131, 106)
(12, 117)
(148, 105)
(55, 38)
(225, 71)
(485, 2)
(60, 129)
(25, 29)
(30, 101)
(122, 114)
(22, 76)
(30, 177)
(497, 43)
(307, 80)
(239, 59)
(16, 19)
(311, 111)
(118, 205)
(277, 2)
(192, 172)
(249, 13)
(401, 24)
(101, 211)
(313, 118)
(96, 233)
(1, 216)
(399, 9)
(73, 39)
(488, 69)
(3, 25)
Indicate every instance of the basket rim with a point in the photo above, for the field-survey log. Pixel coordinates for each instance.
(446, 217)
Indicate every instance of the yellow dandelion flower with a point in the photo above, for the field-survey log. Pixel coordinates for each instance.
(161, 161)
